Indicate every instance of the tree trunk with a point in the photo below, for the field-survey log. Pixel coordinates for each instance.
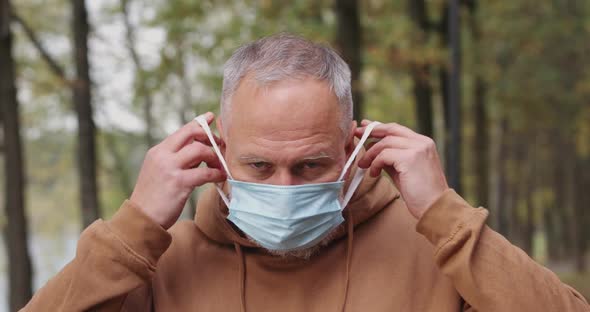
(582, 218)
(502, 192)
(481, 138)
(529, 228)
(15, 232)
(444, 85)
(481, 144)
(349, 42)
(423, 97)
(562, 238)
(421, 72)
(515, 224)
(120, 170)
(550, 220)
(564, 171)
(454, 150)
(83, 104)
(517, 186)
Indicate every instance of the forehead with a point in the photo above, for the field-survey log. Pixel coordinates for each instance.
(295, 108)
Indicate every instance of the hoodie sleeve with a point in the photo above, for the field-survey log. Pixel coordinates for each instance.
(488, 272)
(113, 258)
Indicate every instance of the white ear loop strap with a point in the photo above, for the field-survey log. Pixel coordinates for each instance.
(360, 173)
(203, 122)
(358, 147)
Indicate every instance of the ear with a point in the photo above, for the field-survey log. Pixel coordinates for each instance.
(222, 135)
(349, 143)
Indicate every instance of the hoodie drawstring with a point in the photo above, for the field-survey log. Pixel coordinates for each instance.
(350, 240)
(242, 276)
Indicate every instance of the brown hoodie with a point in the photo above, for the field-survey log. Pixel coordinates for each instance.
(378, 262)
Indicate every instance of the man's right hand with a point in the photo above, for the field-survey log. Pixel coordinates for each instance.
(171, 171)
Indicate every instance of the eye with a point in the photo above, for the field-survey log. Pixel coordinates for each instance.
(311, 165)
(260, 165)
(308, 166)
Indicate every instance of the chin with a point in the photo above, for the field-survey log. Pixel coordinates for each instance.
(305, 253)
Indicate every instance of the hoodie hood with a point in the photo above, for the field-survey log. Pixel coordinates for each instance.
(372, 195)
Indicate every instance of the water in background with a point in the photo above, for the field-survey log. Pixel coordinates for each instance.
(49, 256)
(49, 253)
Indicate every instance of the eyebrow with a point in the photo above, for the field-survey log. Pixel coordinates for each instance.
(252, 158)
(318, 156)
(255, 158)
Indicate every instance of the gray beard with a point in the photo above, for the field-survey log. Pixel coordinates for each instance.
(305, 253)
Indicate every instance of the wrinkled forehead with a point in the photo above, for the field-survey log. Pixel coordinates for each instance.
(295, 109)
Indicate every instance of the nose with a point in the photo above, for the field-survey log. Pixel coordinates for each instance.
(284, 177)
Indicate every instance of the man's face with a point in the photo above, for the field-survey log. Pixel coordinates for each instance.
(286, 133)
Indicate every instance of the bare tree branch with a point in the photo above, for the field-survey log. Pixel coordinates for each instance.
(140, 74)
(130, 33)
(55, 67)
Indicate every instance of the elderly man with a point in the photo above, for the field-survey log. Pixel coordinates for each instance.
(292, 225)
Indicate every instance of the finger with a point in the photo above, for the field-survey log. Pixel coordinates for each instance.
(388, 158)
(365, 122)
(386, 143)
(370, 142)
(188, 133)
(193, 154)
(198, 176)
(383, 130)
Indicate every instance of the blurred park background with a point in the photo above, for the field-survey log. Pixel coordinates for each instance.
(502, 86)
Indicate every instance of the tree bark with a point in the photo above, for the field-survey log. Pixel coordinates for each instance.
(562, 238)
(582, 218)
(443, 77)
(502, 192)
(529, 229)
(83, 104)
(120, 170)
(563, 175)
(454, 150)
(15, 232)
(481, 138)
(517, 186)
(423, 97)
(481, 144)
(349, 42)
(421, 72)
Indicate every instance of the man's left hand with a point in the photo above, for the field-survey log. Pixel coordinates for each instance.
(410, 159)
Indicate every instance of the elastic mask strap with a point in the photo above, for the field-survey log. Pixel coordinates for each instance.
(203, 123)
(359, 174)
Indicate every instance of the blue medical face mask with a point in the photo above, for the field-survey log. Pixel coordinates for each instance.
(287, 217)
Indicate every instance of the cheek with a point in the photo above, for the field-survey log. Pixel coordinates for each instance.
(333, 173)
(344, 157)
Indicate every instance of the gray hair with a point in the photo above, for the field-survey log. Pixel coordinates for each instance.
(285, 56)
